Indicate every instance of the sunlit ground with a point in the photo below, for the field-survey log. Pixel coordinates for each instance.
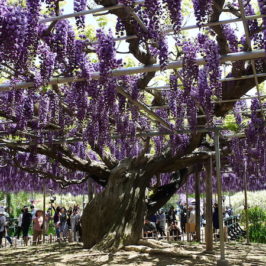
(74, 254)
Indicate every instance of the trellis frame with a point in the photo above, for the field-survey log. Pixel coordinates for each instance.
(252, 55)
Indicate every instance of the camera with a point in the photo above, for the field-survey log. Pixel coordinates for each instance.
(52, 199)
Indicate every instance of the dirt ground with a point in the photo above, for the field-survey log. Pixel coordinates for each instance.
(147, 253)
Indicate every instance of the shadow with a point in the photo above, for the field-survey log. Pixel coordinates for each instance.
(74, 254)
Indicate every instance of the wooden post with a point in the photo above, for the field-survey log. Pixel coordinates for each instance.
(197, 207)
(44, 207)
(208, 213)
(246, 203)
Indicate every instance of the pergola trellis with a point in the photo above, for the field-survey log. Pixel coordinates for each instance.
(250, 55)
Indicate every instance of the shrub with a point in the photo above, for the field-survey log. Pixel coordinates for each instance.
(257, 228)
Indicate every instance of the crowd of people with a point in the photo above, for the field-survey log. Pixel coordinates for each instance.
(66, 224)
(157, 224)
(179, 222)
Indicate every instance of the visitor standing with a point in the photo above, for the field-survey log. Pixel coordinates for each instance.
(32, 211)
(160, 223)
(19, 228)
(7, 236)
(25, 225)
(171, 216)
(183, 218)
(75, 223)
(57, 222)
(63, 223)
(37, 227)
(215, 217)
(191, 226)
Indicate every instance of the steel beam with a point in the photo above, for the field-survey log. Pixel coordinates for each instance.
(137, 70)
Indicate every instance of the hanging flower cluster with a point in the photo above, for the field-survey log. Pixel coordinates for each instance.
(262, 6)
(202, 9)
(80, 5)
(230, 37)
(174, 8)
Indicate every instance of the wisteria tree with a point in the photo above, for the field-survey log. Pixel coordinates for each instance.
(97, 126)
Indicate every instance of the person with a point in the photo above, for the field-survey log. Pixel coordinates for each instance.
(25, 225)
(148, 229)
(160, 223)
(152, 219)
(19, 228)
(191, 226)
(32, 211)
(7, 236)
(75, 223)
(69, 213)
(171, 215)
(215, 217)
(228, 212)
(63, 227)
(183, 218)
(57, 221)
(174, 231)
(38, 224)
(2, 225)
(48, 217)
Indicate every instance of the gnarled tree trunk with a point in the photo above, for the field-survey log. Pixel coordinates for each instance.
(114, 218)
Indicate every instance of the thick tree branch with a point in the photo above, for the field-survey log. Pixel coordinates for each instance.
(162, 194)
(96, 170)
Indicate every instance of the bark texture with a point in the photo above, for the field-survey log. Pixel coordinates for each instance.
(114, 218)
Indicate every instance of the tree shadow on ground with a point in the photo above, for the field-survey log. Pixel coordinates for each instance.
(74, 254)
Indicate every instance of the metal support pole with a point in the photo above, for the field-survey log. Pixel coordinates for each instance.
(197, 207)
(208, 227)
(246, 203)
(222, 260)
(186, 227)
(44, 207)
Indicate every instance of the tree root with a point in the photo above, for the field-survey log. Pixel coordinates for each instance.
(159, 248)
(152, 243)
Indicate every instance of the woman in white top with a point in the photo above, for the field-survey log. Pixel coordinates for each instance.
(192, 215)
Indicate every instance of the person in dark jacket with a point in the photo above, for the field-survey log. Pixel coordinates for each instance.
(183, 218)
(26, 222)
(215, 217)
(57, 221)
(171, 216)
